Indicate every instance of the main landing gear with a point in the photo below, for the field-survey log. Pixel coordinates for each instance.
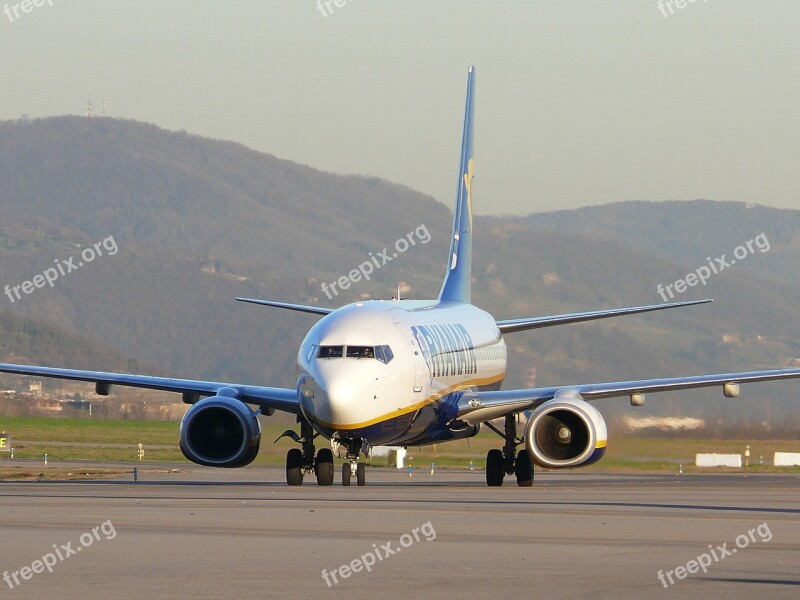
(508, 461)
(300, 462)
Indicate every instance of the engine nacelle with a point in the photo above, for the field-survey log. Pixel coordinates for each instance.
(220, 432)
(565, 433)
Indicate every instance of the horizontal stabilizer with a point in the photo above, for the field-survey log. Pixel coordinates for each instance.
(512, 325)
(316, 310)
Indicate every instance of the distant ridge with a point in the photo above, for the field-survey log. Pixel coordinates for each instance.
(199, 222)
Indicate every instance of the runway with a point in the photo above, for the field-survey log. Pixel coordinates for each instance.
(205, 533)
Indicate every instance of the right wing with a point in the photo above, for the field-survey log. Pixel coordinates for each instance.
(477, 407)
(283, 399)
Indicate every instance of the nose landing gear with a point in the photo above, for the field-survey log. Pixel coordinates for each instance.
(351, 465)
(349, 468)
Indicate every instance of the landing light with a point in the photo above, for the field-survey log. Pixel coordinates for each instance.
(730, 390)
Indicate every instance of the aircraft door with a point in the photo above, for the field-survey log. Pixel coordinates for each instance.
(421, 371)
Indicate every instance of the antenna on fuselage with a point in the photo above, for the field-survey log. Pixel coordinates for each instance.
(397, 296)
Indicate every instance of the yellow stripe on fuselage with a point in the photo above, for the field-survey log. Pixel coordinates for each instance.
(419, 405)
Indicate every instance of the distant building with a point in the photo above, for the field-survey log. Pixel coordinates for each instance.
(44, 405)
(78, 404)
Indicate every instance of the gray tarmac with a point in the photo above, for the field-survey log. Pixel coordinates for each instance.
(206, 533)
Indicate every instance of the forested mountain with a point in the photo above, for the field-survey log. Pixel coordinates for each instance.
(197, 222)
(36, 341)
(680, 230)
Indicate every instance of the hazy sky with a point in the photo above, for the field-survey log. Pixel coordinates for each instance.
(577, 103)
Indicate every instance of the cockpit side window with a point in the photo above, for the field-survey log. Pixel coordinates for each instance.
(330, 351)
(360, 352)
(384, 354)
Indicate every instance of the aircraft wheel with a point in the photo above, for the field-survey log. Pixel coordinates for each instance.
(361, 474)
(346, 473)
(494, 467)
(523, 469)
(294, 467)
(324, 467)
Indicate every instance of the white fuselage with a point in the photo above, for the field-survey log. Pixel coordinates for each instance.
(350, 386)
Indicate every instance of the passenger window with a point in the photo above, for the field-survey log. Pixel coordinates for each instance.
(330, 351)
(360, 352)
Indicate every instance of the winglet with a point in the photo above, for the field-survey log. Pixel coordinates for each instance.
(457, 281)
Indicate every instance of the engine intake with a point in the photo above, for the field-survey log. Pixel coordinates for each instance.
(563, 434)
(220, 432)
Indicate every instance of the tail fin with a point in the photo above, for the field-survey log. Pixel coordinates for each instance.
(457, 283)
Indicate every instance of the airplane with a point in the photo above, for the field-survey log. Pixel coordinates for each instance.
(408, 373)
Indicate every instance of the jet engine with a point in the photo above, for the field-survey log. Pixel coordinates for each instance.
(565, 433)
(220, 432)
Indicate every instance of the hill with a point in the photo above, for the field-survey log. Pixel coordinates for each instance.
(197, 222)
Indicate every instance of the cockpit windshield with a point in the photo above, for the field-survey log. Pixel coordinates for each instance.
(382, 353)
(331, 351)
(360, 352)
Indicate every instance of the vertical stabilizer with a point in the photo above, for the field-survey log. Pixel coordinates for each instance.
(457, 280)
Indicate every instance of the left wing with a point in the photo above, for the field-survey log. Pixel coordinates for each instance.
(282, 399)
(477, 407)
(512, 325)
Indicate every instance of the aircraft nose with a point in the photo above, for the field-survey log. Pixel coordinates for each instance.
(341, 392)
(344, 395)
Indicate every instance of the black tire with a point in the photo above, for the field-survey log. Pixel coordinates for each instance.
(523, 469)
(324, 467)
(346, 473)
(294, 467)
(361, 474)
(495, 464)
